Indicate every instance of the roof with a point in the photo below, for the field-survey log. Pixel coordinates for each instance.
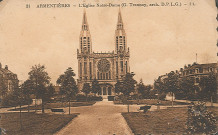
(208, 65)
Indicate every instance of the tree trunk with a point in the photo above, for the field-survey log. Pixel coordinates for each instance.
(211, 100)
(86, 97)
(69, 106)
(28, 107)
(35, 103)
(21, 127)
(43, 110)
(128, 106)
(172, 99)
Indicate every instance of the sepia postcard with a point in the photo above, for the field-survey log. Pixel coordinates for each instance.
(108, 67)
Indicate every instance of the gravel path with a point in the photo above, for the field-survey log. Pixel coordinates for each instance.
(103, 118)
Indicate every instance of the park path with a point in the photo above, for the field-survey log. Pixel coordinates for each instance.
(103, 118)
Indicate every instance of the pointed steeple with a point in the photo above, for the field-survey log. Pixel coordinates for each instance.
(85, 25)
(120, 35)
(120, 21)
(85, 36)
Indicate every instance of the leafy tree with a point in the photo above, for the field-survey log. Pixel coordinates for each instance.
(147, 92)
(40, 80)
(95, 86)
(86, 89)
(209, 87)
(160, 88)
(141, 88)
(199, 120)
(68, 85)
(172, 84)
(188, 89)
(27, 88)
(118, 87)
(128, 84)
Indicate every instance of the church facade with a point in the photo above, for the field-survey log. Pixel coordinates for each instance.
(107, 68)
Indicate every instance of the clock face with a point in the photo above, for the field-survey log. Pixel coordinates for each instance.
(103, 65)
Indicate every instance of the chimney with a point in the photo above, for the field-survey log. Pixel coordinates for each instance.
(6, 67)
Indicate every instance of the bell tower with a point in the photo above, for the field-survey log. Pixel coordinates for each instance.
(121, 50)
(120, 36)
(85, 36)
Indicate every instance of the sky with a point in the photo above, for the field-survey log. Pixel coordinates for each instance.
(161, 39)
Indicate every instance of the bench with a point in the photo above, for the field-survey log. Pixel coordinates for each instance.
(145, 108)
(57, 110)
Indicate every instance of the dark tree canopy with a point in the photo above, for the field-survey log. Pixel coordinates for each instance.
(86, 88)
(68, 84)
(128, 84)
(95, 86)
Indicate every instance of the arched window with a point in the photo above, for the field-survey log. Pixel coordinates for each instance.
(103, 76)
(100, 75)
(106, 76)
(109, 74)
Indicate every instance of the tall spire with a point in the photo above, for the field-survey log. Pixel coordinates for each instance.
(120, 35)
(85, 23)
(120, 21)
(85, 36)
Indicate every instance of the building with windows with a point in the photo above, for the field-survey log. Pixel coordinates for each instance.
(8, 80)
(198, 70)
(108, 67)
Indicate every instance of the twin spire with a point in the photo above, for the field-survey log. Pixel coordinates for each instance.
(85, 26)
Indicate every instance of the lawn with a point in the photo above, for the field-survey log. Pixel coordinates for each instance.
(33, 123)
(56, 105)
(152, 102)
(166, 121)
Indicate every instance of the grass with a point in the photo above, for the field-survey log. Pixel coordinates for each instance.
(33, 123)
(152, 102)
(56, 105)
(166, 121)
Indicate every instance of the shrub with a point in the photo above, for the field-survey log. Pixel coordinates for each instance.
(200, 120)
(82, 98)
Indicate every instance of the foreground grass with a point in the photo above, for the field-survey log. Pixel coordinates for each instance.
(33, 123)
(166, 121)
(56, 105)
(152, 102)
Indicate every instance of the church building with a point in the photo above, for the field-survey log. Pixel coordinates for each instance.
(108, 67)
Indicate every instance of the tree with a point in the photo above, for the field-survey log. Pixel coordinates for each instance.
(40, 80)
(86, 89)
(68, 85)
(27, 88)
(118, 87)
(95, 86)
(128, 85)
(159, 87)
(188, 89)
(141, 88)
(172, 83)
(209, 87)
(199, 120)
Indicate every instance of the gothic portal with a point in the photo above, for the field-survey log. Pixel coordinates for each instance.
(107, 68)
